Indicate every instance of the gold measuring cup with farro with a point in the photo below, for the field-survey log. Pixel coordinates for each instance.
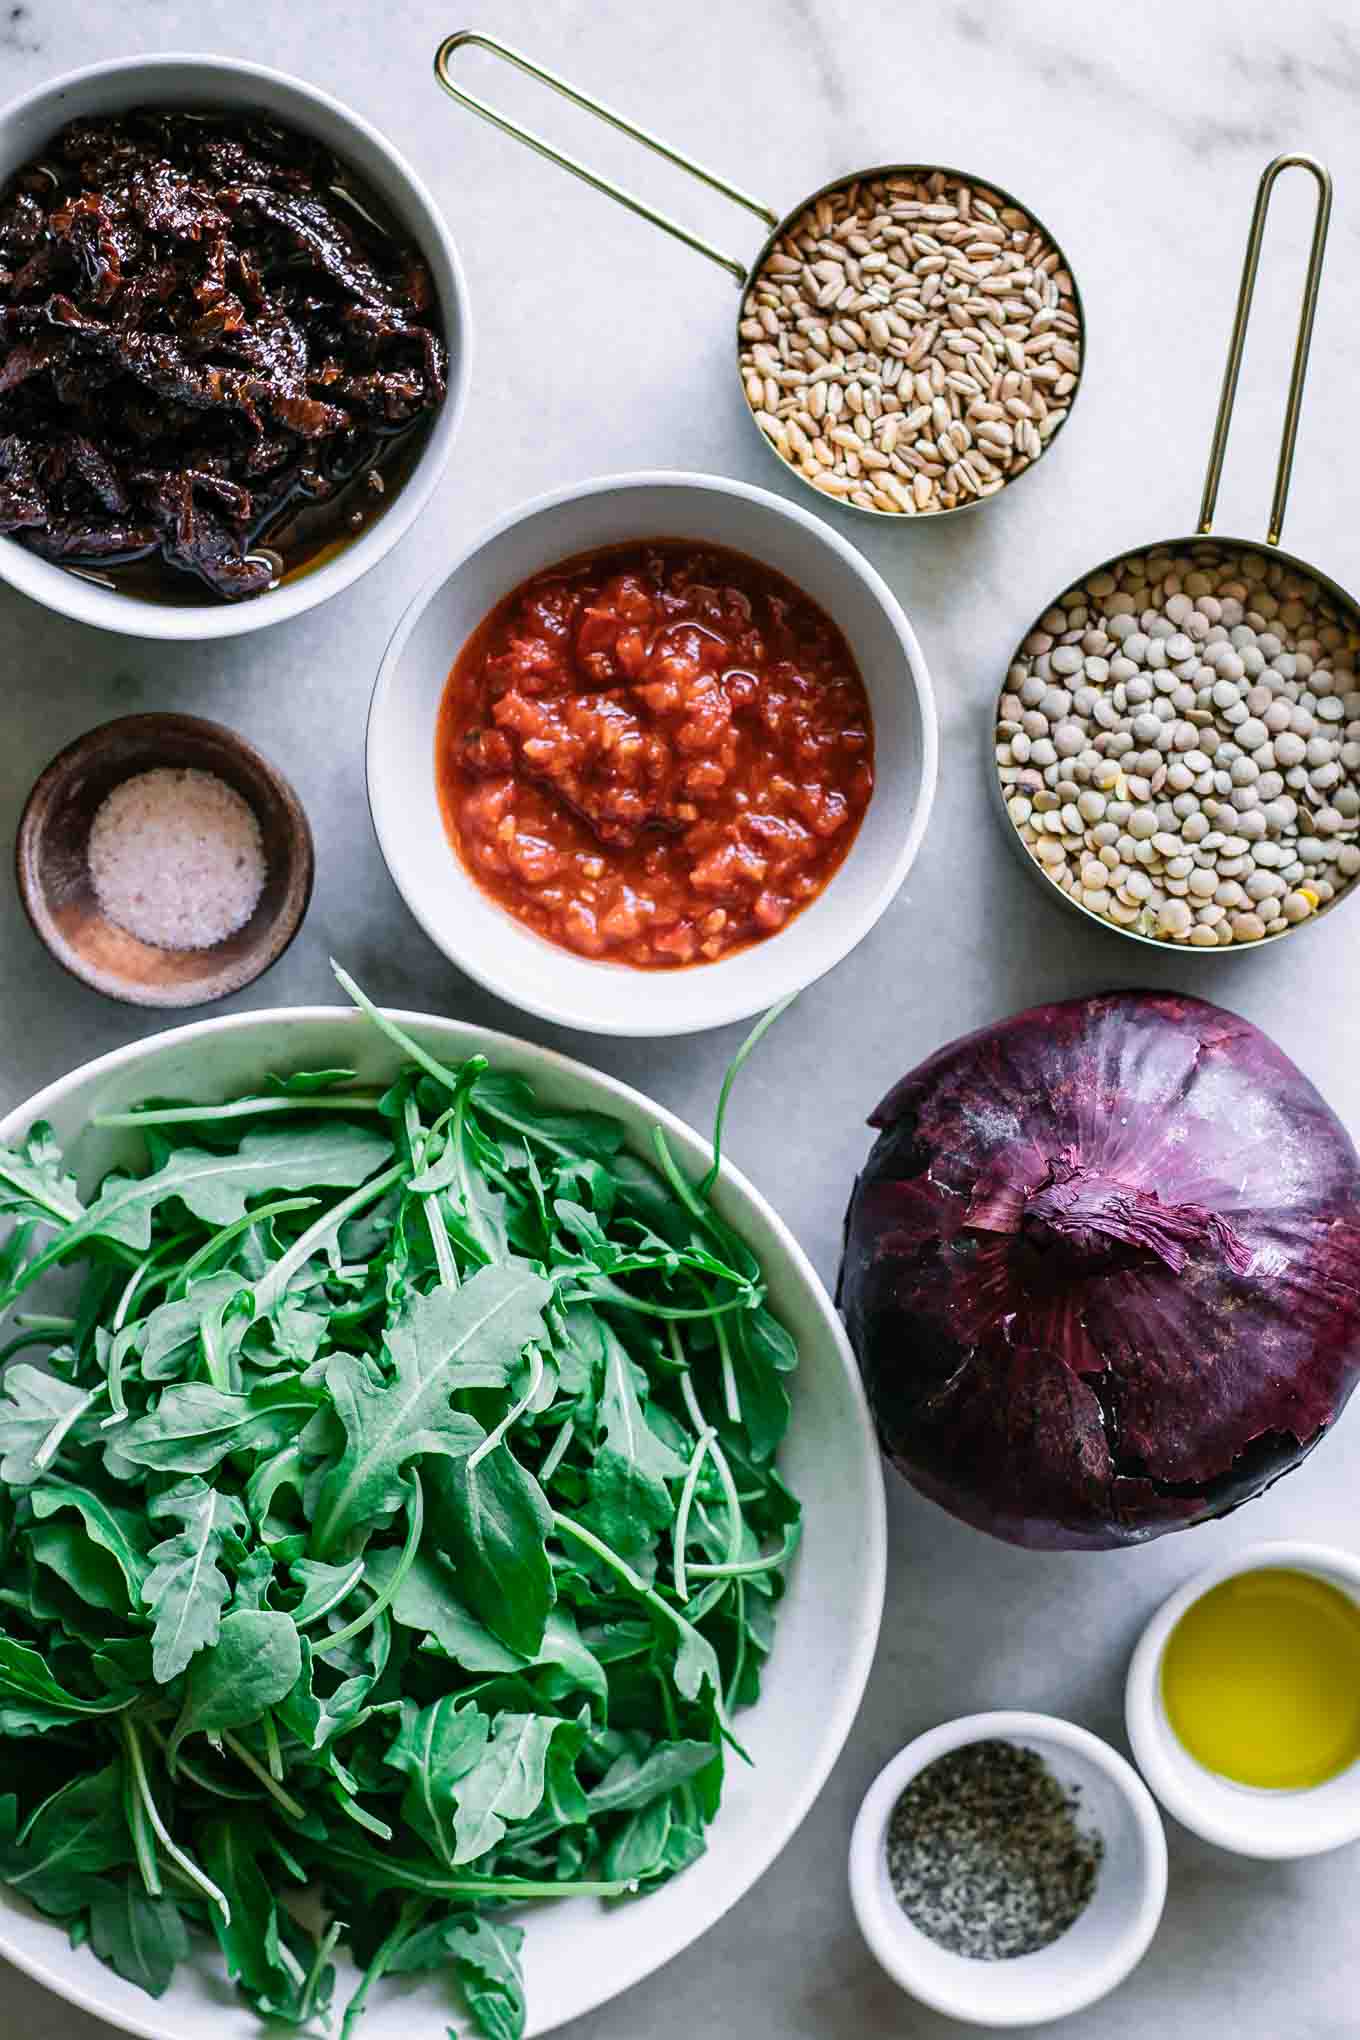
(910, 339)
(1177, 740)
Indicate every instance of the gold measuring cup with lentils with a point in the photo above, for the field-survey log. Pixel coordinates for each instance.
(910, 338)
(1178, 736)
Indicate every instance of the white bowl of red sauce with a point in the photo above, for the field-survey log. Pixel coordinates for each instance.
(656, 751)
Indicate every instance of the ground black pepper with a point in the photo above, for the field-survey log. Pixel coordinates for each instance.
(985, 1855)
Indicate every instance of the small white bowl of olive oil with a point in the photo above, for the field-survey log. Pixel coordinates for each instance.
(1243, 1701)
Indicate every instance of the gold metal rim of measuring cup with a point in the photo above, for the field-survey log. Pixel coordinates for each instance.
(777, 225)
(1204, 536)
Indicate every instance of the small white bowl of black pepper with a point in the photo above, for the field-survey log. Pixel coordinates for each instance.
(1008, 1868)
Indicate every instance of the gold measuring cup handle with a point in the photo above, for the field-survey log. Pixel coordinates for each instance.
(1218, 446)
(443, 71)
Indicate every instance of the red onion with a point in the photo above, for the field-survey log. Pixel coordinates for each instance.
(1102, 1270)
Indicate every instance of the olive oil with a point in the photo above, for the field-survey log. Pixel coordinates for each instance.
(1261, 1679)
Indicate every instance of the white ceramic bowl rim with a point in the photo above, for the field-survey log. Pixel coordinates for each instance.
(895, 1942)
(785, 974)
(69, 595)
(672, 1928)
(1272, 1825)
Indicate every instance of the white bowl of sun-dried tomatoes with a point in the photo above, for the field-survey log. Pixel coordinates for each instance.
(654, 752)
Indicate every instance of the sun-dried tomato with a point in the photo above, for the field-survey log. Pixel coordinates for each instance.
(207, 344)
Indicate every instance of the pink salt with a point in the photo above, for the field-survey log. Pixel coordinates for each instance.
(176, 858)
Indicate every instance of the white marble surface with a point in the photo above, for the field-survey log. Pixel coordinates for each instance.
(1137, 134)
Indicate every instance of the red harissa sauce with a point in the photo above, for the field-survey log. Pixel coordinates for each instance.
(654, 754)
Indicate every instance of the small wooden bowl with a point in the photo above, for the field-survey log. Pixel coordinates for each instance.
(59, 896)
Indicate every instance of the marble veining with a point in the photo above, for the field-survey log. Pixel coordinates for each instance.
(1137, 134)
(18, 31)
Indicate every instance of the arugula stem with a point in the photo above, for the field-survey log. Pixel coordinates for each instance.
(736, 1522)
(258, 1770)
(739, 1667)
(512, 1416)
(670, 1169)
(386, 1595)
(143, 1842)
(731, 1399)
(274, 1283)
(741, 1569)
(394, 1033)
(311, 1988)
(23, 1340)
(44, 1321)
(557, 1452)
(414, 1877)
(211, 1248)
(471, 1215)
(674, 1312)
(223, 1370)
(273, 1753)
(682, 1513)
(693, 1411)
(753, 1039)
(412, 1912)
(162, 1832)
(418, 1141)
(622, 1570)
(241, 1108)
(199, 1777)
(358, 1814)
(51, 1444)
(336, 1599)
(141, 1275)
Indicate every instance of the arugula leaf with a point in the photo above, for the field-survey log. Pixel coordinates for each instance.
(435, 1748)
(294, 1321)
(307, 1083)
(234, 1852)
(81, 1564)
(255, 1662)
(427, 1600)
(510, 1101)
(108, 1524)
(169, 1339)
(465, 1338)
(316, 1721)
(33, 1183)
(632, 1781)
(505, 1785)
(637, 1849)
(187, 1589)
(323, 1586)
(74, 1834)
(764, 1354)
(193, 1427)
(629, 1500)
(31, 1698)
(140, 1937)
(35, 1404)
(214, 1187)
(485, 1954)
(492, 1523)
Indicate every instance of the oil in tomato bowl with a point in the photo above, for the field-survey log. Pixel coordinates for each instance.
(1261, 1679)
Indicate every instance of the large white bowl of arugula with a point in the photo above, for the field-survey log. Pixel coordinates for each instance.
(400, 1610)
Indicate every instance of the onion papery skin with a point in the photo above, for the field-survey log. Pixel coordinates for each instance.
(1102, 1270)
